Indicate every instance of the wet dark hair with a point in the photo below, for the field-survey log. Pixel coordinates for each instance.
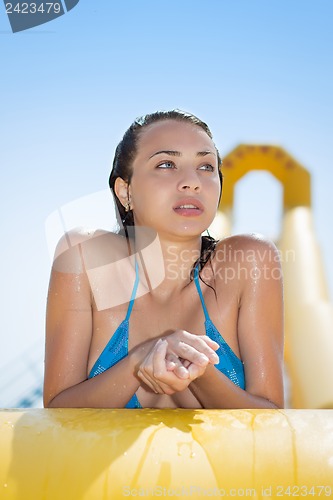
(123, 160)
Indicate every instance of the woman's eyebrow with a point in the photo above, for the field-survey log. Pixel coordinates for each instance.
(166, 152)
(178, 153)
(205, 153)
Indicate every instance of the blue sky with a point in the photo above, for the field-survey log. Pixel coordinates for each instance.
(256, 71)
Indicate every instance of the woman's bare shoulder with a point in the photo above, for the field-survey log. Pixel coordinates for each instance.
(239, 254)
(84, 248)
(239, 246)
(248, 262)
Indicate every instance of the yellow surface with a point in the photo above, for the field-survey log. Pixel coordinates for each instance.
(308, 312)
(114, 454)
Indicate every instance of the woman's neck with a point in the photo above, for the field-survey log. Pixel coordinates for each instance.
(166, 264)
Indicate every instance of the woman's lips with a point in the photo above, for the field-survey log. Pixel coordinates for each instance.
(188, 212)
(188, 208)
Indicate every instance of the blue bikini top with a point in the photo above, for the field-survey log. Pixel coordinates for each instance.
(117, 347)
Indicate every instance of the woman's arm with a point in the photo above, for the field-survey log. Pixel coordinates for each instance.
(260, 335)
(68, 338)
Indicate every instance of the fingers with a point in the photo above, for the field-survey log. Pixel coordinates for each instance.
(195, 371)
(173, 363)
(210, 342)
(154, 373)
(152, 364)
(191, 354)
(158, 358)
(186, 363)
(194, 348)
(207, 346)
(181, 367)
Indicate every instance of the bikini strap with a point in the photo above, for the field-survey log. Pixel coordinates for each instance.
(135, 287)
(196, 281)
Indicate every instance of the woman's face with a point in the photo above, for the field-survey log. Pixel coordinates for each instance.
(175, 185)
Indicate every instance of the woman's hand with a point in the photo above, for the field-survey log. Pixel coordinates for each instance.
(194, 348)
(173, 362)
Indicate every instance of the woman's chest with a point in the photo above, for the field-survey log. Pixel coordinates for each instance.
(150, 318)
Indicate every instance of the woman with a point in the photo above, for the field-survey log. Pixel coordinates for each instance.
(161, 316)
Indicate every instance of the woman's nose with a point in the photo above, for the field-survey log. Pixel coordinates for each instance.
(189, 181)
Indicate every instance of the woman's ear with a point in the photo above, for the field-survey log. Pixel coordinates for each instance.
(121, 189)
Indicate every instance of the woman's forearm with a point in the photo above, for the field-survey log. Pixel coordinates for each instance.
(214, 390)
(110, 389)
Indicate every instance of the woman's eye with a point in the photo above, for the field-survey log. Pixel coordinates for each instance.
(208, 167)
(166, 164)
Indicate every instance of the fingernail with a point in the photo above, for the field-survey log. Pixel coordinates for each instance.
(203, 359)
(183, 373)
(214, 358)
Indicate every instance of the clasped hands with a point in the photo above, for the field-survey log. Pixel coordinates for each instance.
(176, 360)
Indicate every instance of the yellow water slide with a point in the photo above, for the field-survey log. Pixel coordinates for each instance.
(308, 312)
(90, 454)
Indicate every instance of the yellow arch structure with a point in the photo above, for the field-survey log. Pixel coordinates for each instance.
(308, 312)
(113, 454)
(244, 158)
